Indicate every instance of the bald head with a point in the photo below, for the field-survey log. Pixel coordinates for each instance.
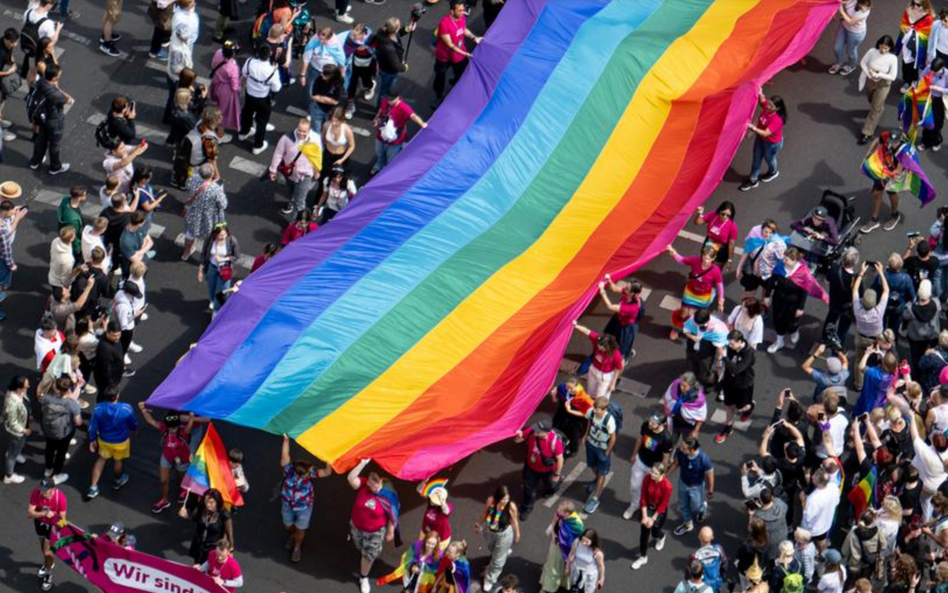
(706, 535)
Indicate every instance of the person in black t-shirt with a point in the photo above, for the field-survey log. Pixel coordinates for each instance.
(922, 265)
(7, 68)
(653, 446)
(122, 119)
(110, 359)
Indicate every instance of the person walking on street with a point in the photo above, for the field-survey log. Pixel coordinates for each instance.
(601, 432)
(853, 15)
(16, 423)
(110, 18)
(289, 160)
(500, 525)
(61, 417)
(656, 495)
(69, 213)
(654, 445)
(110, 358)
(737, 384)
(768, 140)
(372, 522)
(47, 507)
(450, 50)
(110, 431)
(50, 120)
(543, 466)
(297, 493)
(695, 479)
(263, 81)
(205, 209)
(585, 564)
(879, 68)
(225, 85)
(390, 53)
(392, 124)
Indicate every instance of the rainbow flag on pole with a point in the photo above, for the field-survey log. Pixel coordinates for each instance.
(428, 320)
(210, 468)
(915, 109)
(863, 494)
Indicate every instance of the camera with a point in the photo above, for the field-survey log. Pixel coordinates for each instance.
(417, 10)
(912, 234)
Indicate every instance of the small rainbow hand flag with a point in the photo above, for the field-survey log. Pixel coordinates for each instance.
(433, 484)
(863, 494)
(210, 468)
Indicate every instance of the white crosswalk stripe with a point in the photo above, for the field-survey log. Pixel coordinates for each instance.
(244, 261)
(571, 477)
(142, 130)
(633, 387)
(670, 303)
(247, 166)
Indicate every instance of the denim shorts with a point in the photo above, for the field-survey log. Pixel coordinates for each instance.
(300, 519)
(598, 460)
(6, 275)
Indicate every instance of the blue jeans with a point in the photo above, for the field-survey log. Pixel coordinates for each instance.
(215, 284)
(690, 501)
(847, 47)
(386, 82)
(764, 150)
(64, 8)
(317, 117)
(384, 154)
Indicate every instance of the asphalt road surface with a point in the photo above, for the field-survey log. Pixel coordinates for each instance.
(821, 152)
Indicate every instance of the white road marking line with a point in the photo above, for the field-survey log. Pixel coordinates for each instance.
(161, 67)
(700, 239)
(633, 387)
(720, 417)
(155, 230)
(48, 196)
(247, 166)
(565, 484)
(91, 209)
(359, 131)
(670, 303)
(605, 484)
(81, 39)
(143, 130)
(645, 293)
(58, 52)
(244, 261)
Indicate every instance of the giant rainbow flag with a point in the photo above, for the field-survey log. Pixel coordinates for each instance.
(428, 320)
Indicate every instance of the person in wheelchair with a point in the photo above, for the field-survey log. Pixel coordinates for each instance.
(817, 233)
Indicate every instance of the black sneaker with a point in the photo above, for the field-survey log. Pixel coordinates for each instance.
(863, 140)
(892, 222)
(129, 373)
(109, 50)
(115, 37)
(748, 185)
(769, 176)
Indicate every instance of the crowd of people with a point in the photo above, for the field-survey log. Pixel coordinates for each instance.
(843, 494)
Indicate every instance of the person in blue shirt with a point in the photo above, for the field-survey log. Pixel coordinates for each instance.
(901, 291)
(696, 476)
(110, 431)
(835, 375)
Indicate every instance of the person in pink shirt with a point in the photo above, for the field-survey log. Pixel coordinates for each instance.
(47, 507)
(768, 140)
(437, 517)
(607, 363)
(222, 567)
(371, 523)
(225, 85)
(450, 50)
(705, 283)
(289, 159)
(392, 124)
(302, 226)
(544, 464)
(721, 232)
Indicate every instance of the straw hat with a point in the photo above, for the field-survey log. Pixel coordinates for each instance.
(10, 190)
(438, 496)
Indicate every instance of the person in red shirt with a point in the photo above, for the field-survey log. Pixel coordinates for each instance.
(371, 521)
(47, 507)
(392, 124)
(450, 50)
(768, 140)
(302, 226)
(721, 232)
(607, 363)
(656, 494)
(223, 568)
(544, 463)
(437, 516)
(624, 323)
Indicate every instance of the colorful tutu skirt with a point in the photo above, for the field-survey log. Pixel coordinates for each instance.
(694, 299)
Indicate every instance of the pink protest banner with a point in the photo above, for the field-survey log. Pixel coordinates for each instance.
(115, 569)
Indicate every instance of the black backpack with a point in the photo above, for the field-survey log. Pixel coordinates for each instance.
(29, 34)
(36, 106)
(103, 138)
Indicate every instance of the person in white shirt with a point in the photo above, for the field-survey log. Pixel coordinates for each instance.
(931, 138)
(831, 427)
(185, 25)
(929, 460)
(819, 509)
(92, 237)
(879, 68)
(303, 174)
(851, 33)
(47, 27)
(263, 80)
(938, 39)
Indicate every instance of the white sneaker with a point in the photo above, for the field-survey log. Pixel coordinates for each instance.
(794, 338)
(364, 586)
(60, 478)
(370, 94)
(20, 459)
(14, 479)
(640, 562)
(128, 360)
(247, 135)
(628, 513)
(134, 347)
(777, 345)
(73, 442)
(9, 136)
(344, 18)
(225, 139)
(144, 317)
(262, 148)
(487, 586)
(271, 128)
(659, 544)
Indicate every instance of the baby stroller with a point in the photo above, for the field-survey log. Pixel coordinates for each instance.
(822, 255)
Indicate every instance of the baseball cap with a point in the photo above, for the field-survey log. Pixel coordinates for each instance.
(543, 426)
(46, 484)
(820, 211)
(116, 530)
(832, 556)
(834, 365)
(657, 418)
